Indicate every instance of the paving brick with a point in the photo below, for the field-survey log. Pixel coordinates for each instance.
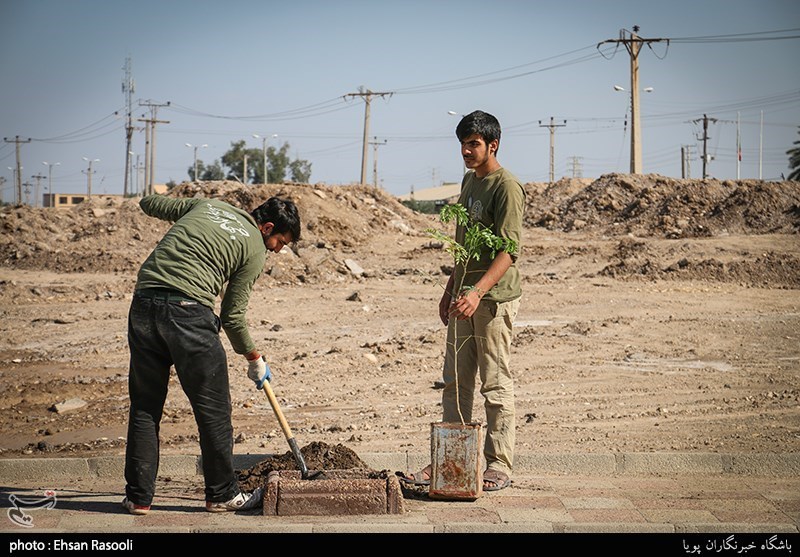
(596, 503)
(673, 516)
(526, 502)
(607, 515)
(460, 513)
(670, 464)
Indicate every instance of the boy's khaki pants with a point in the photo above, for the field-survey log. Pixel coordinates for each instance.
(481, 345)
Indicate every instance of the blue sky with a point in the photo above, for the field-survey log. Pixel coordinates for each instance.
(237, 68)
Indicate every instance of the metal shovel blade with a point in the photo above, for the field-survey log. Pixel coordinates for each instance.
(287, 432)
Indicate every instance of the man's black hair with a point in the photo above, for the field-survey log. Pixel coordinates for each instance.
(282, 213)
(482, 123)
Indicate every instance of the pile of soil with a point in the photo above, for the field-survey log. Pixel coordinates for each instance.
(109, 235)
(317, 457)
(652, 205)
(101, 236)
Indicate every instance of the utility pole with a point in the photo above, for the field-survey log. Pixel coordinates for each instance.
(760, 144)
(128, 87)
(27, 186)
(552, 127)
(686, 156)
(705, 119)
(367, 95)
(375, 144)
(576, 167)
(264, 139)
(633, 44)
(738, 148)
(89, 173)
(38, 178)
(18, 175)
(150, 143)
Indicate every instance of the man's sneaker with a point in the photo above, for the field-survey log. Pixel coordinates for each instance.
(242, 502)
(133, 508)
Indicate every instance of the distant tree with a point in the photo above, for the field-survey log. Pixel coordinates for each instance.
(232, 165)
(278, 164)
(794, 160)
(301, 171)
(234, 161)
(211, 172)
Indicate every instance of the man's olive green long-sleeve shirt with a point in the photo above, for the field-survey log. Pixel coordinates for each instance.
(211, 243)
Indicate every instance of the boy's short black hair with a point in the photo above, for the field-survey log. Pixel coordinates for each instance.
(482, 123)
(282, 213)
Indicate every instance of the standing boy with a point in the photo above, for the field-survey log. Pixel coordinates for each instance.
(486, 304)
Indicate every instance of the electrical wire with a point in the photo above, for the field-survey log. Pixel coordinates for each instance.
(740, 37)
(325, 107)
(81, 133)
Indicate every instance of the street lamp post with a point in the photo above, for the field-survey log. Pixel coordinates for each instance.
(138, 169)
(195, 147)
(50, 181)
(454, 113)
(264, 139)
(131, 154)
(89, 176)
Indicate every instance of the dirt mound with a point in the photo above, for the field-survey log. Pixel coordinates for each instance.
(317, 456)
(102, 235)
(653, 205)
(635, 259)
(110, 236)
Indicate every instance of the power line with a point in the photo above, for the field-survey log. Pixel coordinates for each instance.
(741, 37)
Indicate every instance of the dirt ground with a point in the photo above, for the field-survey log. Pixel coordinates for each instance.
(657, 315)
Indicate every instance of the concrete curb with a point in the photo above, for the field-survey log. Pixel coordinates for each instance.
(565, 464)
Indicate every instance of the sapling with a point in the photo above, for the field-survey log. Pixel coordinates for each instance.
(477, 236)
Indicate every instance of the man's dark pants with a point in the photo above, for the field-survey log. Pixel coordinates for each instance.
(164, 331)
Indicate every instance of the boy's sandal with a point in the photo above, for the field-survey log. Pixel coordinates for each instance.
(497, 480)
(423, 477)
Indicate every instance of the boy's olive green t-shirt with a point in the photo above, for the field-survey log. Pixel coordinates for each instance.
(497, 201)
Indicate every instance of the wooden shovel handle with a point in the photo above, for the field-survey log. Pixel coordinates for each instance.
(277, 409)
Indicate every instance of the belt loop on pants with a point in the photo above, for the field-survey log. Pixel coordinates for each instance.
(166, 294)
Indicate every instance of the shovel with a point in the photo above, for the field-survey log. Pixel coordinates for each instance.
(298, 456)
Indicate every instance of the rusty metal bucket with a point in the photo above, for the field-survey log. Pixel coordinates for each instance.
(456, 463)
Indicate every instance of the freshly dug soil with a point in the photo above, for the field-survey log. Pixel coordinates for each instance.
(317, 456)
